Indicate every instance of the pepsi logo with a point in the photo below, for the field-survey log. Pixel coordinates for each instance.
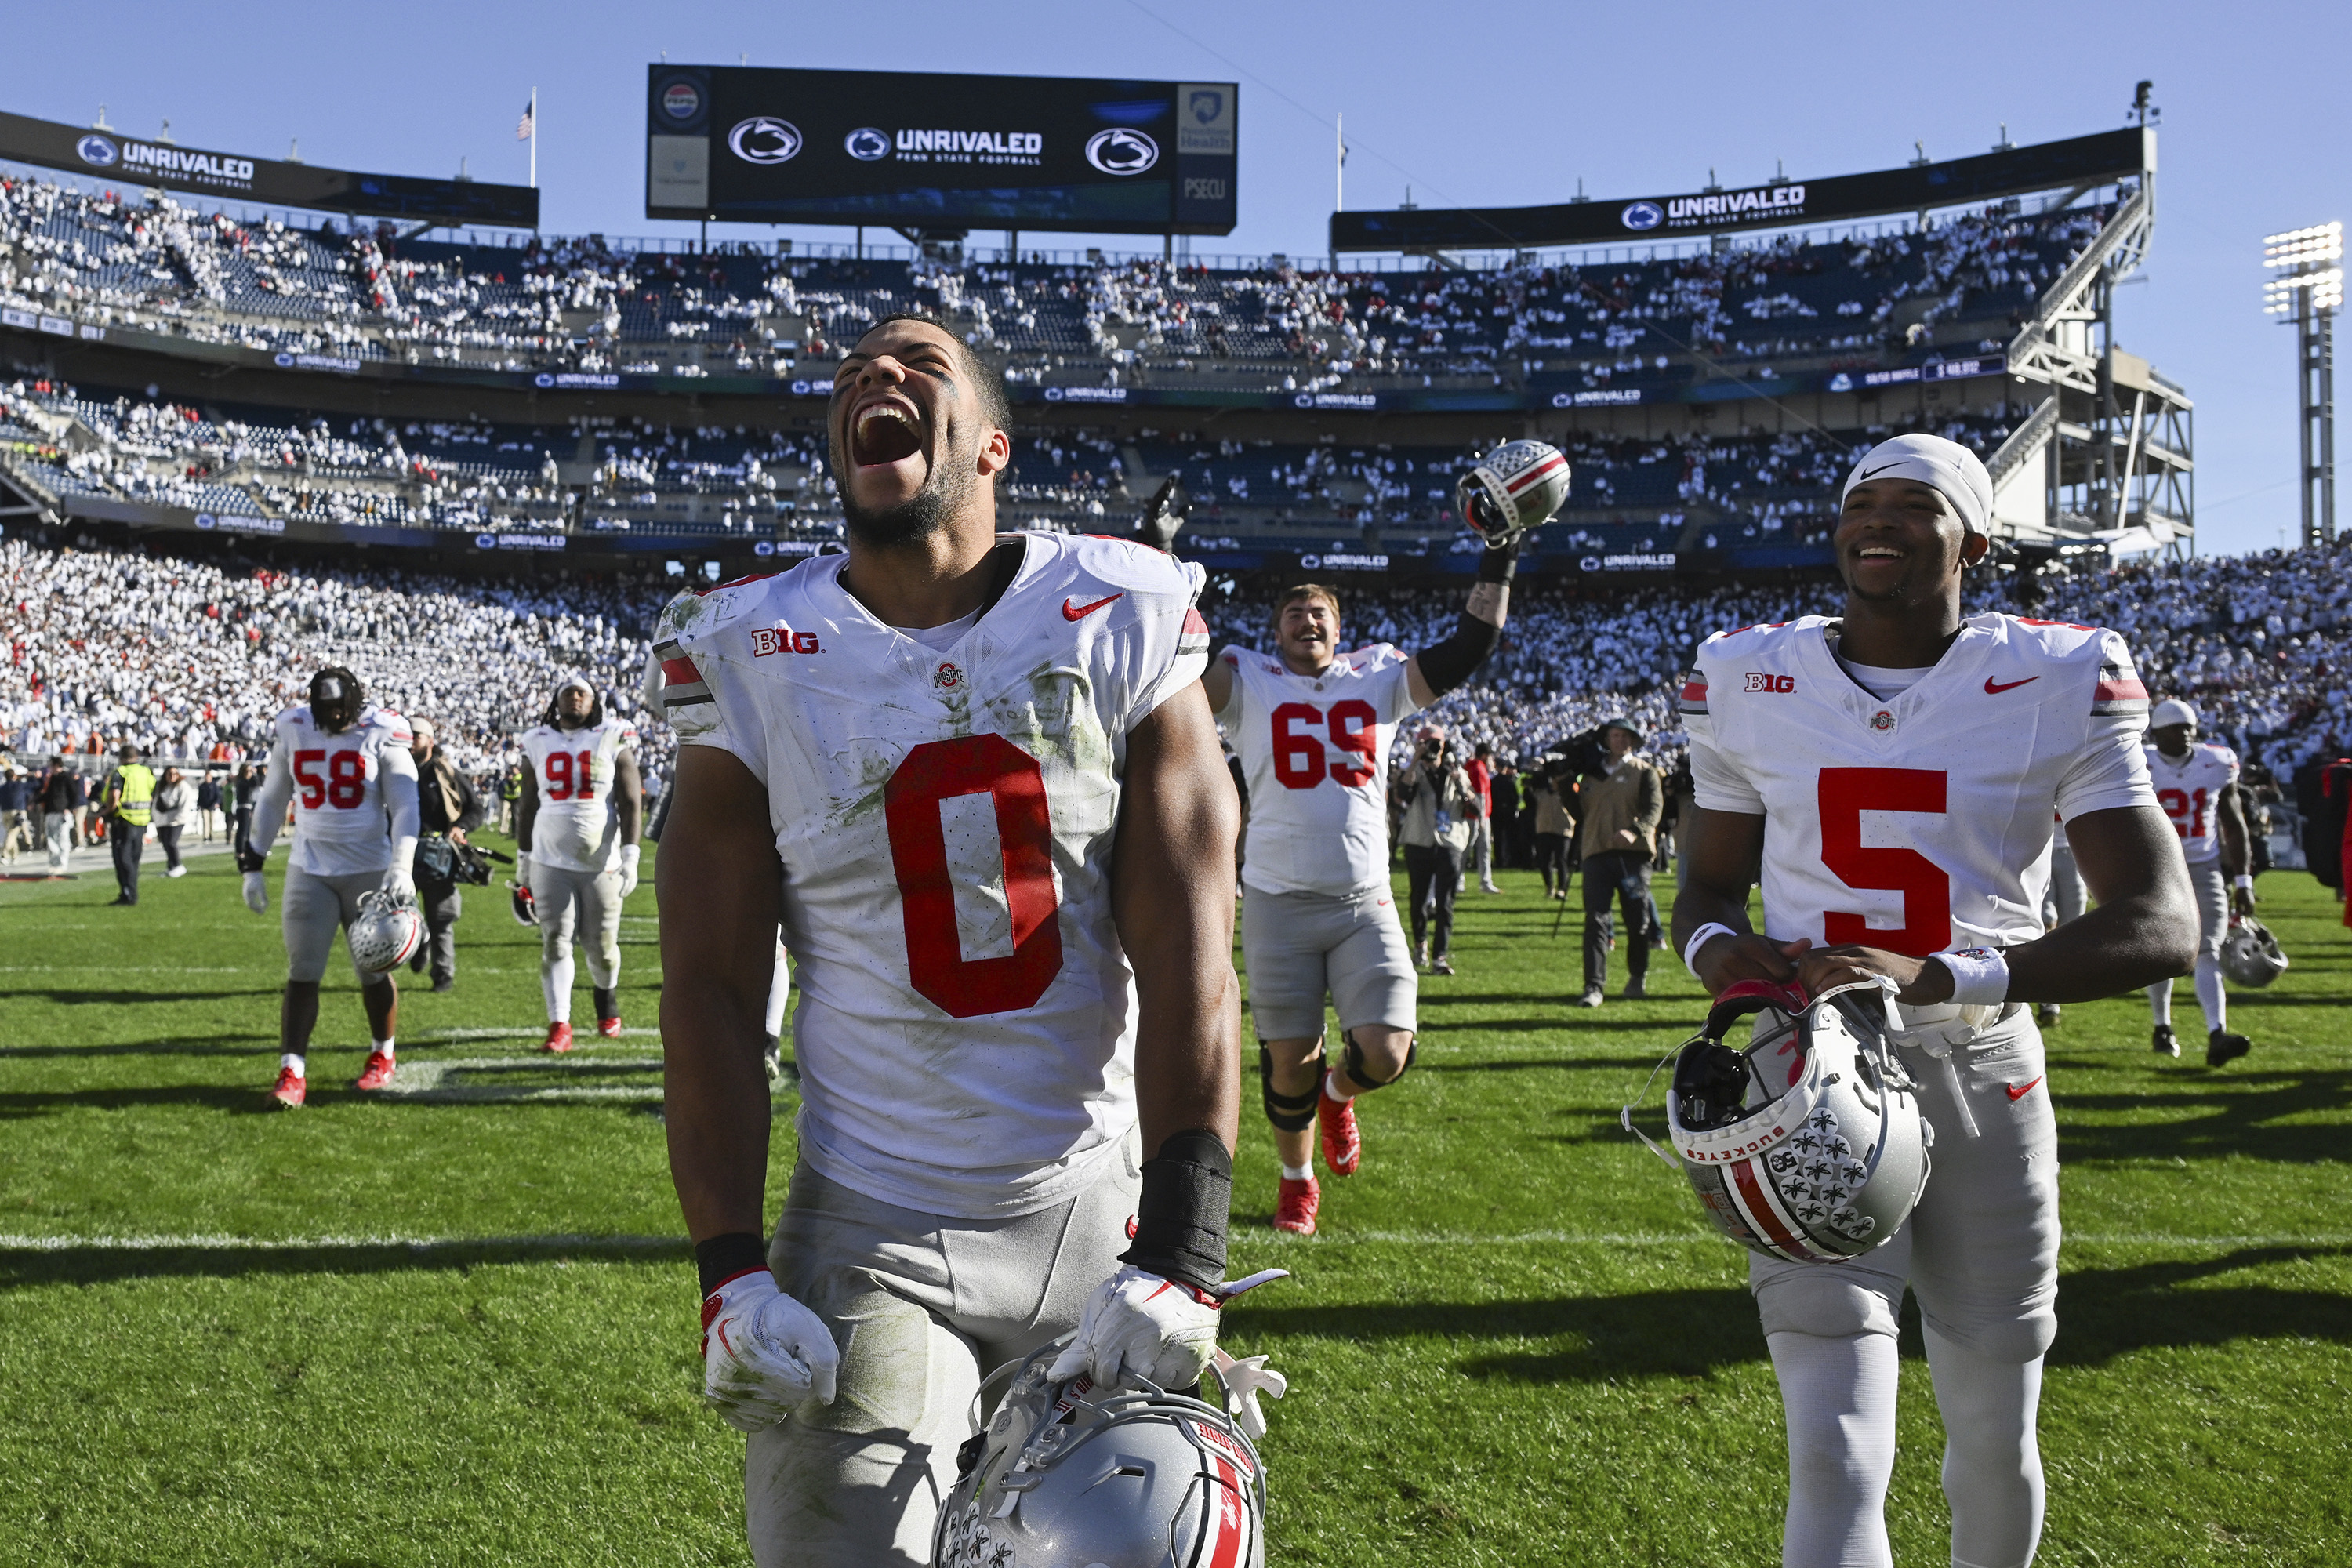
(681, 100)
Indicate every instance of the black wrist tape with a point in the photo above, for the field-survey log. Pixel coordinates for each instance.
(722, 1257)
(1496, 566)
(1182, 1213)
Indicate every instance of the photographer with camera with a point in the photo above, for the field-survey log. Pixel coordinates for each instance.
(1440, 803)
(1621, 800)
(1551, 795)
(447, 807)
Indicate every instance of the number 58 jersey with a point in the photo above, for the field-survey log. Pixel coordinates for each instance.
(1919, 824)
(965, 1032)
(342, 826)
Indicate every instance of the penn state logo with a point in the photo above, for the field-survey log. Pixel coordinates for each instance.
(867, 144)
(1641, 216)
(764, 138)
(99, 151)
(1121, 152)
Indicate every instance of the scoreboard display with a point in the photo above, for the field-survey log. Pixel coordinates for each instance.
(909, 149)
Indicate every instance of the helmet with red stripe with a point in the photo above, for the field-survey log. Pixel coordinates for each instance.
(1515, 487)
(1065, 1473)
(1808, 1143)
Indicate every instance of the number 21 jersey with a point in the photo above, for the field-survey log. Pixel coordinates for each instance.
(1315, 749)
(965, 1032)
(2190, 791)
(1919, 824)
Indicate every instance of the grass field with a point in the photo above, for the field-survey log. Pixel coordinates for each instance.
(457, 1325)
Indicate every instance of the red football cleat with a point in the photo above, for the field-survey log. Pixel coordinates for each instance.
(559, 1038)
(1294, 1211)
(289, 1090)
(609, 1028)
(377, 1074)
(1343, 1145)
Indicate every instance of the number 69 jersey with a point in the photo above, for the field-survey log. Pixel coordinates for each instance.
(572, 770)
(965, 1032)
(1920, 824)
(1315, 751)
(340, 822)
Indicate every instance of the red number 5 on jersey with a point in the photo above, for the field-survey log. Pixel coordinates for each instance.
(974, 764)
(1926, 888)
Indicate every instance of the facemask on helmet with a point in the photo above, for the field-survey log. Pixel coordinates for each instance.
(336, 698)
(1807, 1142)
(1065, 1473)
(2250, 955)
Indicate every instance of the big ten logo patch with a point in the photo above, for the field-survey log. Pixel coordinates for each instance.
(766, 640)
(1760, 681)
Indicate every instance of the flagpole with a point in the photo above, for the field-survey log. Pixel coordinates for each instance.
(534, 138)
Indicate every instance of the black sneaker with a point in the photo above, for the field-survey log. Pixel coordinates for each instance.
(1635, 991)
(2166, 1043)
(2221, 1046)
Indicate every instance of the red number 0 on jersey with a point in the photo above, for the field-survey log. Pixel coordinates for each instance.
(1298, 760)
(974, 764)
(1927, 890)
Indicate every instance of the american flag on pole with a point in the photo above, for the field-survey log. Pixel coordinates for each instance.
(523, 129)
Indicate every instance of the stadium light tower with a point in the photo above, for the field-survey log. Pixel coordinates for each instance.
(2308, 285)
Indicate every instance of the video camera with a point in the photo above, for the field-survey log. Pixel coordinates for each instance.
(1578, 756)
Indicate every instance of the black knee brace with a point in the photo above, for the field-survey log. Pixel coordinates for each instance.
(1288, 1113)
(1353, 1064)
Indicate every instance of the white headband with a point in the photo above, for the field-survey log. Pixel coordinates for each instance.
(1947, 466)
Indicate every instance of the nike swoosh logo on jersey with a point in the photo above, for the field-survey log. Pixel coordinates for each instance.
(1994, 688)
(2019, 1093)
(1074, 611)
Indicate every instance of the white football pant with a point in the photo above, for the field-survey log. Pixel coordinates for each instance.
(590, 901)
(2212, 925)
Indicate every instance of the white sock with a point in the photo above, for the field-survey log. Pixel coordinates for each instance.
(293, 1059)
(555, 986)
(1332, 1089)
(1839, 1397)
(2159, 1002)
(1992, 1461)
(384, 1046)
(1297, 1173)
(2209, 995)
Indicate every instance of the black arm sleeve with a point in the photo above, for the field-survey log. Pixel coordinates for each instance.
(1446, 664)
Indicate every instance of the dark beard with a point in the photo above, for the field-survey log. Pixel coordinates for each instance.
(920, 515)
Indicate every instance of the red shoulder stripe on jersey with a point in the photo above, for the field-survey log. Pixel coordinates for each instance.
(738, 582)
(1193, 623)
(1694, 690)
(681, 671)
(2127, 689)
(2075, 626)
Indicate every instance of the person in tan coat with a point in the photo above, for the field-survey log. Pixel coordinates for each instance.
(1617, 837)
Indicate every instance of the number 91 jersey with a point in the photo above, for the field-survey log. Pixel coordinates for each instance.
(1921, 823)
(572, 770)
(1315, 751)
(340, 827)
(965, 1032)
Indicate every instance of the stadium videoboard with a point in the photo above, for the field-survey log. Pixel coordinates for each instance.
(757, 144)
(134, 161)
(2083, 160)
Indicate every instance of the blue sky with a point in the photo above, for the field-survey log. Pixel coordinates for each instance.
(1476, 101)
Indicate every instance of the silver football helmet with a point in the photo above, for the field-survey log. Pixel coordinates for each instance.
(384, 935)
(1065, 1474)
(1515, 487)
(2250, 955)
(1808, 1144)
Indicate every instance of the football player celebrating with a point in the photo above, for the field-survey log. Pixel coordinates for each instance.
(1890, 778)
(345, 765)
(1313, 727)
(576, 846)
(978, 777)
(2194, 781)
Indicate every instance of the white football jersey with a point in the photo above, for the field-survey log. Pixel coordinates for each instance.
(577, 827)
(1920, 824)
(1314, 750)
(2190, 792)
(342, 826)
(965, 1030)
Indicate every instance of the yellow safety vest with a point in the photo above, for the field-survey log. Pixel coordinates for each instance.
(137, 802)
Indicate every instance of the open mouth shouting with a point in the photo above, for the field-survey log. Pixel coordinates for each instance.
(884, 432)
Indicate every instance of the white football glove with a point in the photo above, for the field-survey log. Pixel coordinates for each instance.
(1138, 1324)
(400, 885)
(629, 855)
(762, 1352)
(256, 892)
